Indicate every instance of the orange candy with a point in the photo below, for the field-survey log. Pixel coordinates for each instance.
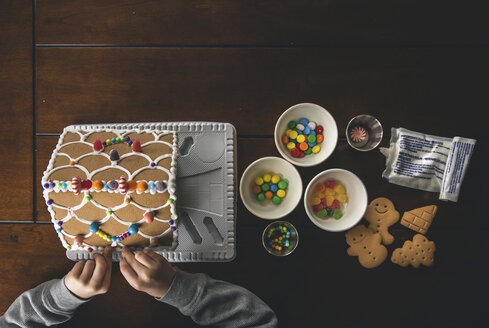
(320, 187)
(132, 185)
(142, 186)
(97, 185)
(303, 146)
(268, 195)
(72, 163)
(319, 138)
(285, 140)
(256, 189)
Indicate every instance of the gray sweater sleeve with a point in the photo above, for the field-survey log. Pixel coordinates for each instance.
(48, 304)
(218, 303)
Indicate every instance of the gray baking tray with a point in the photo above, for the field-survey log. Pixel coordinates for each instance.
(206, 191)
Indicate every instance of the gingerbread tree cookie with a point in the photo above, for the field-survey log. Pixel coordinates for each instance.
(419, 219)
(418, 251)
(365, 244)
(381, 214)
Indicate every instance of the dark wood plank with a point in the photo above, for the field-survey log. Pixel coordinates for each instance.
(368, 166)
(319, 282)
(284, 22)
(16, 111)
(428, 90)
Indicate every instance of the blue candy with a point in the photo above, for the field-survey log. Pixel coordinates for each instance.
(307, 130)
(93, 227)
(312, 132)
(113, 140)
(311, 144)
(133, 229)
(273, 188)
(304, 121)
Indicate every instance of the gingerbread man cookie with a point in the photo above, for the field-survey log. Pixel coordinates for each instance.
(381, 214)
(365, 244)
(416, 252)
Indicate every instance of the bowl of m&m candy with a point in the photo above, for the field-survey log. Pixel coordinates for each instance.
(306, 134)
(335, 200)
(280, 238)
(270, 188)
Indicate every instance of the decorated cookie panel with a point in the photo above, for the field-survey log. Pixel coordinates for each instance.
(112, 187)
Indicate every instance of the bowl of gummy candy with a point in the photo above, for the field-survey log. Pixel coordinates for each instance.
(306, 134)
(280, 238)
(270, 188)
(335, 200)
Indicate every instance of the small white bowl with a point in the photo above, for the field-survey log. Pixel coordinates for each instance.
(314, 113)
(356, 204)
(266, 209)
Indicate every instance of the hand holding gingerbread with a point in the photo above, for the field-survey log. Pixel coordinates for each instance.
(381, 214)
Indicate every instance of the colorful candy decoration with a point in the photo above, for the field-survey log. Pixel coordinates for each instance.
(303, 137)
(327, 199)
(148, 217)
(122, 185)
(99, 145)
(76, 185)
(94, 227)
(114, 155)
(136, 146)
(270, 187)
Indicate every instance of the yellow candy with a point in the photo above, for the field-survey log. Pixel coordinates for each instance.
(108, 142)
(275, 179)
(290, 145)
(329, 192)
(293, 134)
(319, 194)
(339, 189)
(314, 201)
(329, 200)
(259, 181)
(287, 133)
(267, 177)
(341, 198)
(316, 149)
(281, 193)
(301, 138)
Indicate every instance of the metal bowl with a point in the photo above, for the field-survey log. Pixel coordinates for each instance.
(373, 129)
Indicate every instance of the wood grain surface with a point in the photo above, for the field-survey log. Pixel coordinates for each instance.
(415, 64)
(16, 145)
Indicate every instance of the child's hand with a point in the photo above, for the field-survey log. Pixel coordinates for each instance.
(90, 278)
(147, 271)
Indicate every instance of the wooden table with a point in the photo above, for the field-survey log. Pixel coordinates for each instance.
(415, 64)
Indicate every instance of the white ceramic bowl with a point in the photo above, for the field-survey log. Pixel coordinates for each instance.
(266, 209)
(314, 113)
(355, 206)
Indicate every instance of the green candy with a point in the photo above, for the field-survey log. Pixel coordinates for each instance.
(292, 124)
(265, 187)
(311, 138)
(308, 151)
(276, 200)
(322, 213)
(337, 214)
(260, 197)
(282, 184)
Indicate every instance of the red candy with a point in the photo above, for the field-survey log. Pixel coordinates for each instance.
(295, 152)
(136, 146)
(86, 184)
(319, 129)
(336, 204)
(330, 184)
(97, 145)
(317, 207)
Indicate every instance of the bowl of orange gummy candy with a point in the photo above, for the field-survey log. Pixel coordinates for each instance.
(335, 200)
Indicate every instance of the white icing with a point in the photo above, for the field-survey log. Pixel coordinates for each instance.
(171, 189)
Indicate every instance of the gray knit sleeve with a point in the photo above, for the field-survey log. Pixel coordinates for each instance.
(48, 304)
(218, 303)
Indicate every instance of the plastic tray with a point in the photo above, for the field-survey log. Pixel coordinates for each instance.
(206, 193)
